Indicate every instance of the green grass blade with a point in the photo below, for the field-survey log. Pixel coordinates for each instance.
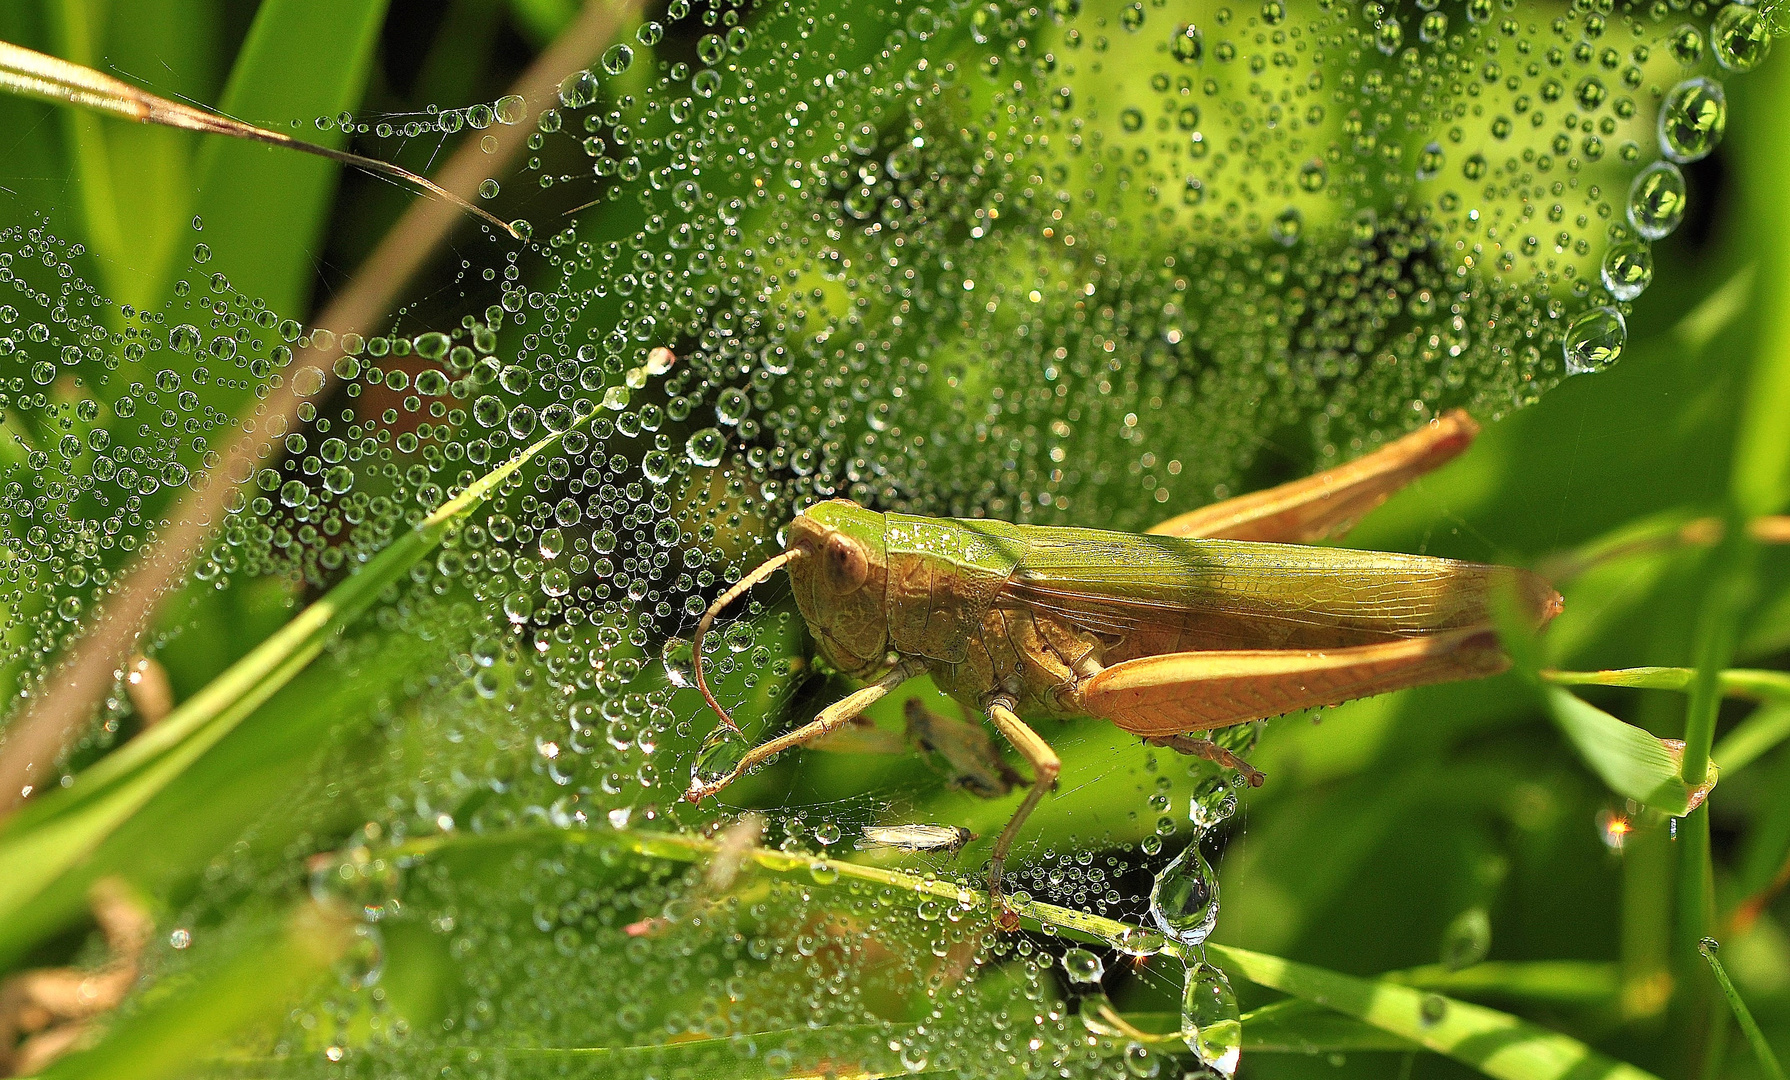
(1768, 1060)
(1632, 762)
(1557, 982)
(48, 837)
(1733, 682)
(1768, 726)
(1292, 1026)
(47, 78)
(1497, 1044)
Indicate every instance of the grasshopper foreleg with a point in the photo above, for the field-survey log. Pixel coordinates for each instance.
(839, 713)
(1045, 767)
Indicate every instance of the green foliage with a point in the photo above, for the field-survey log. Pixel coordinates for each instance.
(420, 818)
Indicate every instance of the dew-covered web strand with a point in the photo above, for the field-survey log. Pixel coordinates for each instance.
(762, 573)
(42, 730)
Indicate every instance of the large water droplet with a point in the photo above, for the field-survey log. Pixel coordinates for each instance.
(1184, 900)
(1083, 966)
(1467, 940)
(1691, 119)
(1740, 38)
(1627, 269)
(721, 754)
(705, 447)
(1594, 340)
(678, 659)
(1211, 1022)
(1656, 200)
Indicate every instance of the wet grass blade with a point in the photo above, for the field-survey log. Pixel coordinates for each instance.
(1497, 1044)
(1768, 1060)
(49, 836)
(32, 74)
(1634, 763)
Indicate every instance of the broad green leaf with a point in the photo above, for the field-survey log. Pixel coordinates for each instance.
(1635, 764)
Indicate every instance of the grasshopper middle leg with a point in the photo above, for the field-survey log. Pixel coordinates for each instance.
(1045, 767)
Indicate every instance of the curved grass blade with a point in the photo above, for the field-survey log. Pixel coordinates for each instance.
(1497, 1044)
(1768, 1060)
(49, 836)
(32, 74)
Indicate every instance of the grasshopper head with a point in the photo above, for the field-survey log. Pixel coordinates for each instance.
(839, 581)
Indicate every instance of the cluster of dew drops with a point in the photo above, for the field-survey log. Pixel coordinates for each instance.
(1042, 262)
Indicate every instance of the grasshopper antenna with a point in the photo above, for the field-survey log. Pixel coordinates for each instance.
(764, 571)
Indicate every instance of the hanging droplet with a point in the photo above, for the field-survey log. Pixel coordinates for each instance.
(1692, 119)
(678, 662)
(1594, 340)
(1211, 1022)
(1184, 900)
(1656, 200)
(1467, 940)
(1627, 269)
(721, 754)
(1082, 966)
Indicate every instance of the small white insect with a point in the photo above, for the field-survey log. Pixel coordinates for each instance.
(916, 837)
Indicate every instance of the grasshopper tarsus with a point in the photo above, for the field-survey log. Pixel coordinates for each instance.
(1211, 751)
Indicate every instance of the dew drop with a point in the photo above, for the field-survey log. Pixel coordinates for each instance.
(1594, 340)
(1739, 38)
(1467, 939)
(1083, 966)
(1656, 200)
(1691, 119)
(1627, 269)
(617, 58)
(1184, 899)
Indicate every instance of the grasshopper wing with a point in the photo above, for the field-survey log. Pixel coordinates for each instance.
(1152, 595)
(1186, 692)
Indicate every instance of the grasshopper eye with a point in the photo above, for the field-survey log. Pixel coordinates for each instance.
(847, 565)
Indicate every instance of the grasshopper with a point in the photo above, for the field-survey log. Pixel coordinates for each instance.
(1217, 617)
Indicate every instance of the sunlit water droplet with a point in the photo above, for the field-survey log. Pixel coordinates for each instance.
(1082, 966)
(1692, 119)
(1595, 340)
(1184, 899)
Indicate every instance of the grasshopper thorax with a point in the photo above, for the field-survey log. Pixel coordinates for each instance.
(840, 582)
